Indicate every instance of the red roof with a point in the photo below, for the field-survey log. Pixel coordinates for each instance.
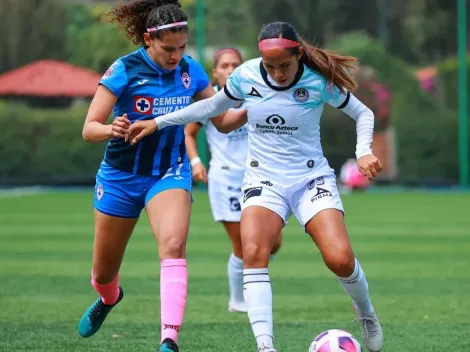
(49, 78)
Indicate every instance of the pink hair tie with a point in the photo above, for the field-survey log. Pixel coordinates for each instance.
(277, 43)
(165, 26)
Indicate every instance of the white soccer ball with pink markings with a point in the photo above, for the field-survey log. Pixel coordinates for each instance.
(335, 341)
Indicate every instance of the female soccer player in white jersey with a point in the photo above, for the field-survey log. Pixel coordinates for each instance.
(225, 178)
(284, 92)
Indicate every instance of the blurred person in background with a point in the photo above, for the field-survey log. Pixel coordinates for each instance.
(284, 92)
(155, 175)
(351, 177)
(225, 178)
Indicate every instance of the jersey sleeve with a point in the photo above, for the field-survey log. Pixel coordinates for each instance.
(202, 80)
(115, 78)
(333, 96)
(232, 87)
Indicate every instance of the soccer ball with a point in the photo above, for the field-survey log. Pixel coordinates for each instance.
(335, 341)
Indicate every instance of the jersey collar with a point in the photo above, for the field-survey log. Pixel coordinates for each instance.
(296, 80)
(152, 63)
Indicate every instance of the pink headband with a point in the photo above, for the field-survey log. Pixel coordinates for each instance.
(165, 26)
(277, 43)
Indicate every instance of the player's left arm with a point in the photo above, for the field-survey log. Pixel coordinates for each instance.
(227, 121)
(368, 163)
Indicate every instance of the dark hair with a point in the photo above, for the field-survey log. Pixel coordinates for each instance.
(218, 54)
(139, 15)
(335, 68)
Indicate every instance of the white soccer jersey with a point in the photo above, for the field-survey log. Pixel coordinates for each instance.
(283, 122)
(228, 153)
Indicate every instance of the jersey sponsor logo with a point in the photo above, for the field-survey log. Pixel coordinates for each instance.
(237, 135)
(276, 124)
(267, 183)
(186, 80)
(301, 95)
(143, 105)
(321, 193)
(252, 192)
(235, 204)
(254, 93)
(275, 120)
(320, 180)
(160, 106)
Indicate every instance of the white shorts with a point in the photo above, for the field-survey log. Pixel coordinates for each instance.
(225, 200)
(304, 199)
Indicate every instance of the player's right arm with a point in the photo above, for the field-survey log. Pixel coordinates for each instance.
(111, 86)
(199, 171)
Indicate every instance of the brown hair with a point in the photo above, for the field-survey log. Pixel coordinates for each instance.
(138, 15)
(335, 68)
(218, 54)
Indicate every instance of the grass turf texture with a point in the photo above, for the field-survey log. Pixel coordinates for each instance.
(413, 247)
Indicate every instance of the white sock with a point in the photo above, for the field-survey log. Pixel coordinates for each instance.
(235, 278)
(259, 301)
(357, 288)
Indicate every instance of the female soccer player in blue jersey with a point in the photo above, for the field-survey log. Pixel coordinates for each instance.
(225, 178)
(284, 92)
(156, 79)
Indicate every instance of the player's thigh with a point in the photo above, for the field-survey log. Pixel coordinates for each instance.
(111, 237)
(264, 214)
(168, 208)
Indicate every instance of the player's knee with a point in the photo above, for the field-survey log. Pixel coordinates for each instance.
(341, 262)
(172, 247)
(256, 255)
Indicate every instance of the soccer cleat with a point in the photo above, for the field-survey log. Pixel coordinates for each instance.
(371, 331)
(238, 307)
(168, 345)
(95, 315)
(267, 349)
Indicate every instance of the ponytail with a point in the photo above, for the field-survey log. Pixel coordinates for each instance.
(335, 68)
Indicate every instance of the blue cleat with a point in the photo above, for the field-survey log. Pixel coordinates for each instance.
(95, 315)
(168, 345)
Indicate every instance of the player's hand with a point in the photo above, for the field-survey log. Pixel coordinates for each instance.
(199, 173)
(369, 166)
(120, 127)
(140, 129)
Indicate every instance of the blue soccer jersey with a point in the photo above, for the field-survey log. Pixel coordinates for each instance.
(145, 91)
(131, 175)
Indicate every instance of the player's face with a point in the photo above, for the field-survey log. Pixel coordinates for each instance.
(169, 49)
(225, 66)
(281, 65)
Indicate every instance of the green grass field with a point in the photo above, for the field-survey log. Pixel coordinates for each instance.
(414, 248)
